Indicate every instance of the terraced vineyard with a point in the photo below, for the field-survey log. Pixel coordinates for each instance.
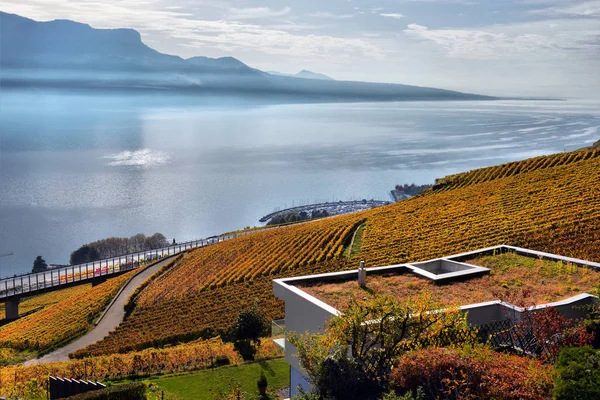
(513, 168)
(201, 315)
(550, 208)
(204, 294)
(62, 321)
(556, 210)
(250, 257)
(47, 299)
(30, 382)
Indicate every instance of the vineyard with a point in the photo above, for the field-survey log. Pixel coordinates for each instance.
(47, 299)
(512, 169)
(203, 315)
(550, 209)
(556, 210)
(250, 257)
(30, 381)
(62, 321)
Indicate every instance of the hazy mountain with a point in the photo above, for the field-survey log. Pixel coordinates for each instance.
(68, 54)
(303, 74)
(313, 75)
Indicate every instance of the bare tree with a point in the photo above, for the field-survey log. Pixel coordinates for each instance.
(136, 243)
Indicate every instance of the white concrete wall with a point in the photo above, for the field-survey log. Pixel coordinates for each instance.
(484, 313)
(297, 379)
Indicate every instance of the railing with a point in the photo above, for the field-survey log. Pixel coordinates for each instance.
(278, 332)
(27, 283)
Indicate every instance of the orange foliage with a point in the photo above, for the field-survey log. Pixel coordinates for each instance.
(202, 315)
(63, 320)
(513, 168)
(510, 277)
(249, 257)
(47, 299)
(14, 380)
(472, 374)
(556, 210)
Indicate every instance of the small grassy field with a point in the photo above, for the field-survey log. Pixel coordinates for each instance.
(205, 385)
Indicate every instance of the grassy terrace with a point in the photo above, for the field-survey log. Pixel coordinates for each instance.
(204, 385)
(513, 278)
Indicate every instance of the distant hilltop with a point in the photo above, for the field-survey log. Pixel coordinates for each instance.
(69, 54)
(304, 74)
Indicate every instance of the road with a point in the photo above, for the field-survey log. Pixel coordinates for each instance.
(111, 318)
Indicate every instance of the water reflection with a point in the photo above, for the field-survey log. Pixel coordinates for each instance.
(75, 168)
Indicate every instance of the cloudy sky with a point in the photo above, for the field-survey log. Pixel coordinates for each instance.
(501, 47)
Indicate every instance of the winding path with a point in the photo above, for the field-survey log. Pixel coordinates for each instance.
(112, 317)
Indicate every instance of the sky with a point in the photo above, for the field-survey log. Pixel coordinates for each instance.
(496, 47)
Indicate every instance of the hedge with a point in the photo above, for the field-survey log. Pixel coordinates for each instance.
(128, 391)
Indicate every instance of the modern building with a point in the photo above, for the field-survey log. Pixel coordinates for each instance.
(308, 309)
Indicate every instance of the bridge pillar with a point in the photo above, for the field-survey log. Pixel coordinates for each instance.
(11, 308)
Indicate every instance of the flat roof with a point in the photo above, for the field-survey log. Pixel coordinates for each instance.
(511, 274)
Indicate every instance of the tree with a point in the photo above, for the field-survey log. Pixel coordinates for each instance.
(117, 246)
(39, 265)
(354, 356)
(136, 243)
(84, 254)
(156, 241)
(251, 325)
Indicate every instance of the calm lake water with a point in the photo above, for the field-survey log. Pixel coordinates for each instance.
(75, 168)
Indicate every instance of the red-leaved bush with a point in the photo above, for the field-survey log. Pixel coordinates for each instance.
(553, 331)
(472, 373)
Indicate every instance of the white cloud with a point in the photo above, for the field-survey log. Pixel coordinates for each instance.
(584, 9)
(324, 14)
(233, 34)
(256, 13)
(392, 15)
(548, 39)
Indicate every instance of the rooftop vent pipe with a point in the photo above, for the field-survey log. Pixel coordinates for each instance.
(362, 274)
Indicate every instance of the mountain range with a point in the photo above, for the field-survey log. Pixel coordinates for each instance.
(68, 54)
(304, 74)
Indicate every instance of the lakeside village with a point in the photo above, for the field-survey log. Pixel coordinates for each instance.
(327, 209)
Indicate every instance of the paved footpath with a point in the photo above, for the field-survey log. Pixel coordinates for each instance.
(113, 316)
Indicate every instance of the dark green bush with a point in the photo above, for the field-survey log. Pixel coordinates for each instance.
(251, 325)
(246, 348)
(221, 360)
(578, 376)
(128, 391)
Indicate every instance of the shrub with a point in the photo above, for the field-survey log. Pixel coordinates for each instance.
(552, 331)
(472, 373)
(417, 395)
(592, 324)
(353, 358)
(251, 325)
(221, 360)
(246, 348)
(129, 391)
(262, 380)
(578, 375)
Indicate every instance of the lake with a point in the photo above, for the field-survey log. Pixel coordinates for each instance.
(77, 167)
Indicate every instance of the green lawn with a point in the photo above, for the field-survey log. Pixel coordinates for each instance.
(203, 385)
